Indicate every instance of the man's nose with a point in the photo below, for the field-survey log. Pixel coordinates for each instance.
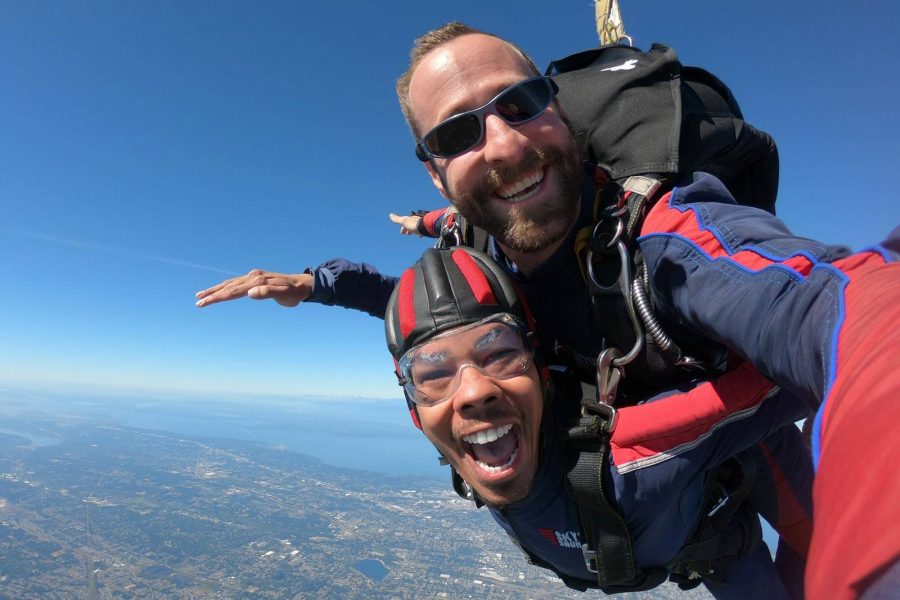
(475, 391)
(502, 142)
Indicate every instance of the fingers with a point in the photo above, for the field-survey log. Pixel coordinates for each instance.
(396, 218)
(408, 224)
(238, 287)
(287, 290)
(216, 288)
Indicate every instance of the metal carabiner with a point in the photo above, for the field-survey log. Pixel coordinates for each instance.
(608, 376)
(589, 259)
(452, 233)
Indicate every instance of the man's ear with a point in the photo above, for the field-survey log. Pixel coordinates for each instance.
(436, 178)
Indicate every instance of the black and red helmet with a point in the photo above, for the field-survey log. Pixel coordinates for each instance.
(445, 289)
(448, 288)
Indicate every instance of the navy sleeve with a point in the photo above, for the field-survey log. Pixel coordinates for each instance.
(738, 276)
(339, 282)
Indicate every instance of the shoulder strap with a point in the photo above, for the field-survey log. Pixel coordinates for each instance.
(607, 543)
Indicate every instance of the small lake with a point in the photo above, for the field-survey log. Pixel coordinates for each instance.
(371, 568)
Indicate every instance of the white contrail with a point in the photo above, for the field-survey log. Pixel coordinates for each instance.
(110, 250)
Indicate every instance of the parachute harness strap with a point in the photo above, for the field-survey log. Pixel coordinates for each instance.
(607, 546)
(608, 241)
(616, 229)
(610, 28)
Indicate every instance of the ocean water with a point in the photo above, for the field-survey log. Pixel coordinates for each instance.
(36, 439)
(374, 435)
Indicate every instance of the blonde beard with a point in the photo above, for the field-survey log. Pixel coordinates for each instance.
(524, 230)
(529, 235)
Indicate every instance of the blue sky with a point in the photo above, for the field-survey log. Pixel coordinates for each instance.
(149, 149)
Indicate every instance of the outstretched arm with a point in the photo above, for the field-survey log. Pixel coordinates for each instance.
(337, 282)
(286, 290)
(738, 276)
(422, 223)
(409, 224)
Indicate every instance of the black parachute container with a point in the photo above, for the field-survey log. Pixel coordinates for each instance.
(644, 113)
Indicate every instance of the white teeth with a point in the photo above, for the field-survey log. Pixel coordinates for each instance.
(491, 435)
(509, 192)
(498, 468)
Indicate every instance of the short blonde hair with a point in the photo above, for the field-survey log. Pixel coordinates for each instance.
(428, 42)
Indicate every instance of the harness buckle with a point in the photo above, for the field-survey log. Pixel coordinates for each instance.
(590, 558)
(645, 186)
(608, 416)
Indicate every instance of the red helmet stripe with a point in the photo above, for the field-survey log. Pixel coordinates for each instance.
(414, 414)
(406, 306)
(474, 277)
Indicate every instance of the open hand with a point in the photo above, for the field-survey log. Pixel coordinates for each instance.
(286, 290)
(409, 224)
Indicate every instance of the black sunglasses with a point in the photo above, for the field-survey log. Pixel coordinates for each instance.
(517, 104)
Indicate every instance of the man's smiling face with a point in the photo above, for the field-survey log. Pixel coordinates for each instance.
(489, 429)
(522, 183)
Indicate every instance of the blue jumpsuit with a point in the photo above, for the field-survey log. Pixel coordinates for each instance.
(808, 315)
(660, 453)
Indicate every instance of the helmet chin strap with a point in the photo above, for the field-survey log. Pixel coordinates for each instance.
(461, 486)
(414, 414)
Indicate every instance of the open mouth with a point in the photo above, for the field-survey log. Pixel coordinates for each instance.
(493, 450)
(523, 189)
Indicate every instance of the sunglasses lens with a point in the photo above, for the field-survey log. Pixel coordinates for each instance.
(524, 102)
(454, 136)
(520, 103)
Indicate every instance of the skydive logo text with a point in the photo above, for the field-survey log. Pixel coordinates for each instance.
(567, 539)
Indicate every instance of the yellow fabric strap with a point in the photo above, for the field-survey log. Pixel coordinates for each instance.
(610, 27)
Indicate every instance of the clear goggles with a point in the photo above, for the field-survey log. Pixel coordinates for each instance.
(497, 347)
(517, 104)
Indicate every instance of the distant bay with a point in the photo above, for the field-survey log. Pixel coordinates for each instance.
(35, 438)
(373, 435)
